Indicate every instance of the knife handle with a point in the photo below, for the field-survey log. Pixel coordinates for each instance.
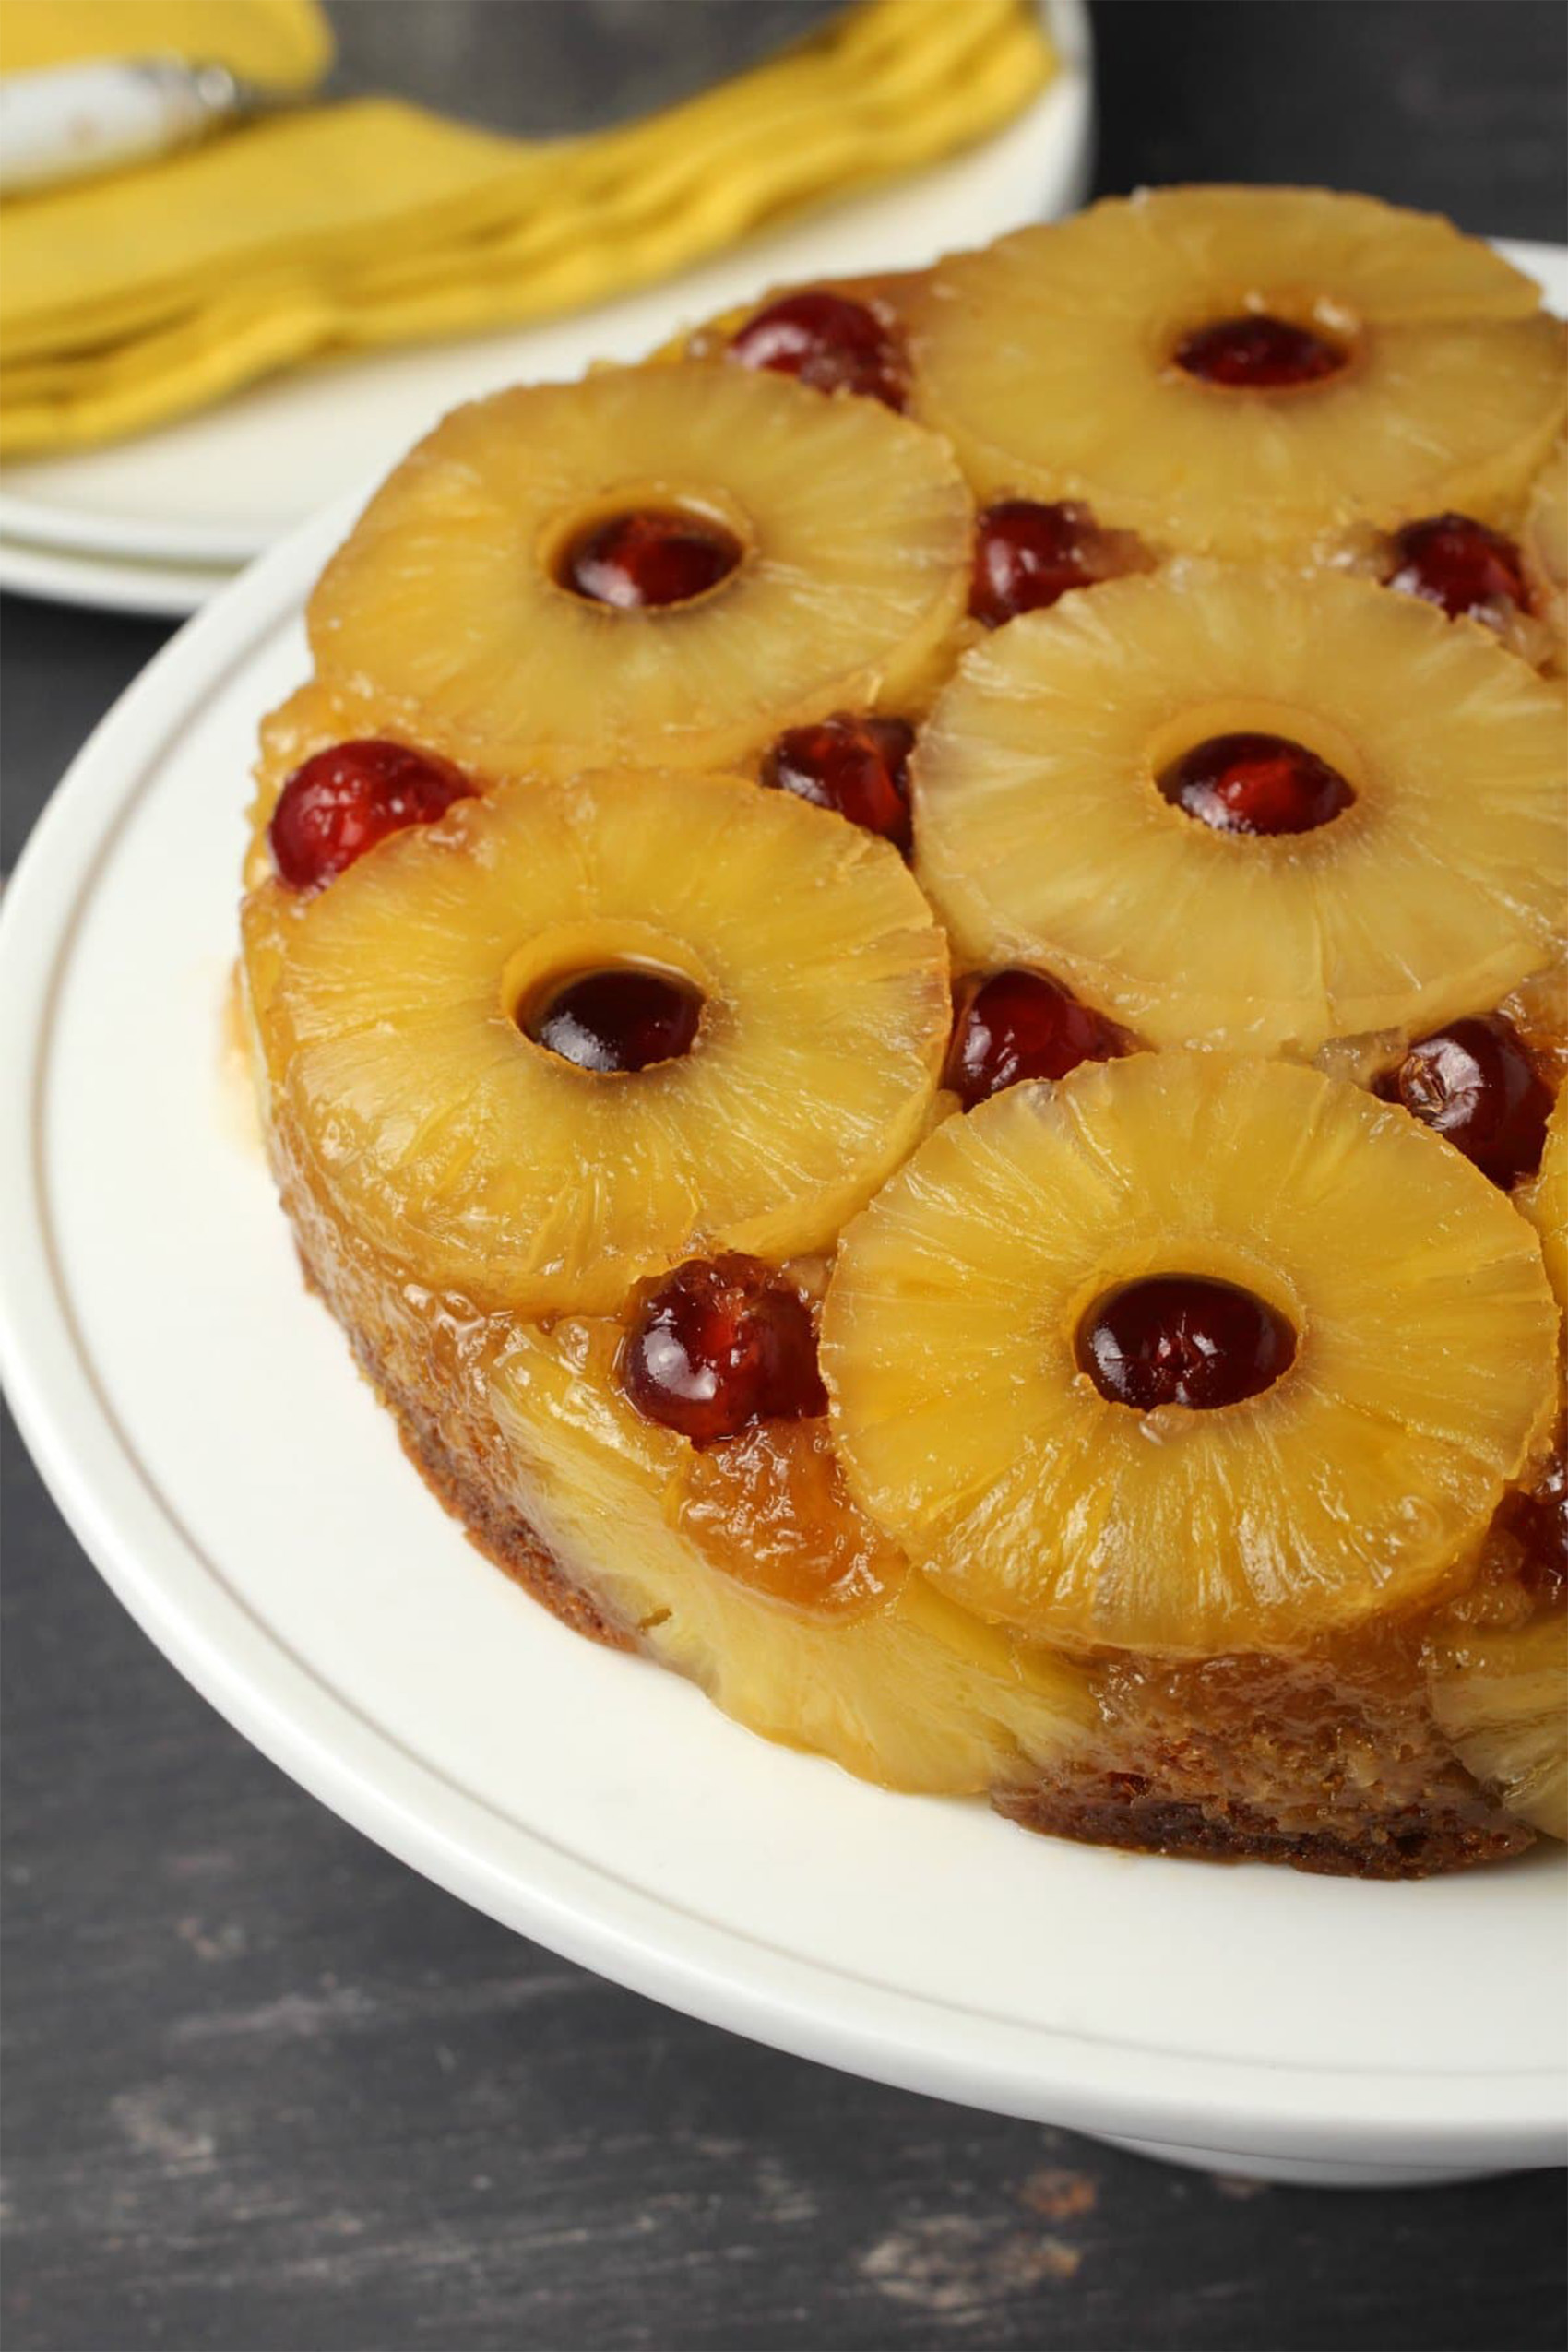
(68, 122)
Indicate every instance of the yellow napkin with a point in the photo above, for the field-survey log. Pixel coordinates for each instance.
(285, 43)
(133, 298)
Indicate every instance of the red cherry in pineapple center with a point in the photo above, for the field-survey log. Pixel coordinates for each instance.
(1022, 1025)
(1256, 783)
(1257, 353)
(859, 767)
(719, 1345)
(1026, 555)
(346, 798)
(650, 557)
(625, 1018)
(1455, 563)
(829, 342)
(1183, 1339)
(1475, 1085)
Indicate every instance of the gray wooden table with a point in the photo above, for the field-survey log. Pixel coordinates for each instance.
(265, 2089)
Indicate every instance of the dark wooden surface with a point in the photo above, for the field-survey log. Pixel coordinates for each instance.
(265, 2089)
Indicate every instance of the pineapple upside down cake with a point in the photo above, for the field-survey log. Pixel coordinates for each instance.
(907, 974)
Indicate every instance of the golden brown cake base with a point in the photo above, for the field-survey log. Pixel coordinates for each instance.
(1202, 1764)
(1125, 1809)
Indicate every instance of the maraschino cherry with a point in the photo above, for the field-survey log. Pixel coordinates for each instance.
(720, 1344)
(623, 1018)
(1257, 353)
(859, 767)
(1256, 783)
(1475, 1085)
(1460, 565)
(346, 798)
(647, 558)
(1183, 1339)
(1017, 1025)
(1028, 554)
(829, 342)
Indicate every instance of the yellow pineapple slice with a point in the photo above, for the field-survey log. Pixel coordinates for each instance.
(1353, 1486)
(1043, 834)
(1545, 545)
(1501, 1696)
(910, 1692)
(395, 1002)
(1545, 1200)
(851, 526)
(1049, 359)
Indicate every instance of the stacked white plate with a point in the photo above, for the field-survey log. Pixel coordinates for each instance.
(158, 523)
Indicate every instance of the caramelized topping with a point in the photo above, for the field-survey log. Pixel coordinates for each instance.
(830, 342)
(770, 1509)
(620, 1019)
(648, 558)
(1183, 1339)
(346, 798)
(1539, 1523)
(719, 1345)
(1022, 1025)
(859, 767)
(1256, 783)
(1475, 1085)
(1257, 353)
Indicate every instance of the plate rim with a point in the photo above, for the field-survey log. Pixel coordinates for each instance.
(107, 583)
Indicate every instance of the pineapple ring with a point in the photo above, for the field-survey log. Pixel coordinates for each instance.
(1043, 834)
(1355, 1486)
(854, 526)
(1545, 1201)
(1545, 547)
(432, 1126)
(1046, 360)
(1497, 1695)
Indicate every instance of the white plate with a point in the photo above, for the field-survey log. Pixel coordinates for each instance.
(218, 487)
(107, 583)
(198, 1421)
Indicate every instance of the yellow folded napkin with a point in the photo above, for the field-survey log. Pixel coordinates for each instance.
(285, 43)
(129, 299)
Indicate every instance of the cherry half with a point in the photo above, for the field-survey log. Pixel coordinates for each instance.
(719, 1345)
(649, 557)
(1028, 554)
(829, 342)
(1022, 1025)
(1475, 1085)
(1457, 564)
(859, 767)
(1183, 1339)
(622, 1018)
(346, 798)
(1257, 353)
(1256, 783)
